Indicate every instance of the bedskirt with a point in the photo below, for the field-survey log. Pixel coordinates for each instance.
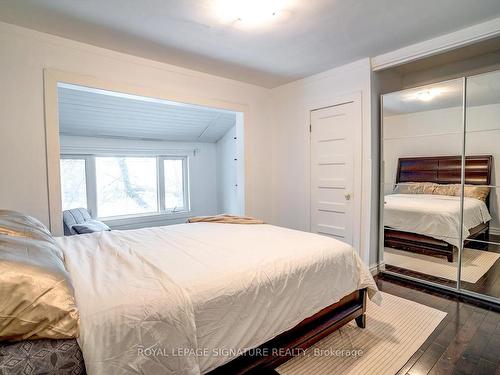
(43, 356)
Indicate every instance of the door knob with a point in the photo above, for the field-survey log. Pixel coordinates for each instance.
(347, 196)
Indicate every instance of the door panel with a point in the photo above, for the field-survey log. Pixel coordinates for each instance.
(333, 132)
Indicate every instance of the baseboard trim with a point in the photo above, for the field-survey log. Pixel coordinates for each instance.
(376, 268)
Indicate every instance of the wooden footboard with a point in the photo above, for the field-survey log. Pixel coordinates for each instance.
(421, 244)
(306, 333)
(417, 243)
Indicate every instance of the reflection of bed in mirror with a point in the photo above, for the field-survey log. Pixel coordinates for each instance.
(428, 223)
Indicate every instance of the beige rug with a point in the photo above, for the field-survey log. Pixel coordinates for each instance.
(475, 263)
(393, 333)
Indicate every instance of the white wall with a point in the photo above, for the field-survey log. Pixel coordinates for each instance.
(24, 56)
(291, 160)
(202, 168)
(426, 133)
(227, 158)
(230, 174)
(440, 133)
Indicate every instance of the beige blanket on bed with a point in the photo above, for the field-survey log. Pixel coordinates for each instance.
(225, 219)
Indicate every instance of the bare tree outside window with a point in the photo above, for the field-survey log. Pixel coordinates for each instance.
(126, 185)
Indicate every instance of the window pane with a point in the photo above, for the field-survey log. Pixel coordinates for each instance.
(174, 186)
(73, 184)
(126, 185)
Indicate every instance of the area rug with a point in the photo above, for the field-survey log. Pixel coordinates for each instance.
(393, 333)
(475, 263)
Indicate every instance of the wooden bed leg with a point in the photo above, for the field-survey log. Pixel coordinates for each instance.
(451, 251)
(361, 321)
(487, 233)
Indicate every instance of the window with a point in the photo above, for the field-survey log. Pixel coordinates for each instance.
(73, 183)
(126, 185)
(113, 186)
(173, 172)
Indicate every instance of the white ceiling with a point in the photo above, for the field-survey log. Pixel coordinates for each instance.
(98, 113)
(483, 89)
(307, 37)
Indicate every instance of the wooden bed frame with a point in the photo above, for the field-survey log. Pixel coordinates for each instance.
(280, 349)
(440, 170)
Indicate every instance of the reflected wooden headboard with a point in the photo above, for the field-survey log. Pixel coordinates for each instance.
(445, 169)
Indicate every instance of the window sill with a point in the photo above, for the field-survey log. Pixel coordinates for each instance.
(144, 220)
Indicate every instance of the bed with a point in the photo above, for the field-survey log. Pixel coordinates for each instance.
(42, 356)
(430, 224)
(208, 297)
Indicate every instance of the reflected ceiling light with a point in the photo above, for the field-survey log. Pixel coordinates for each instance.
(248, 12)
(425, 95)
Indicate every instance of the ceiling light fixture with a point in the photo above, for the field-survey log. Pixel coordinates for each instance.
(248, 12)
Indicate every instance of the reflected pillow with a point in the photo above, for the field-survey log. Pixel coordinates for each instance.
(415, 188)
(37, 296)
(478, 192)
(453, 190)
(447, 189)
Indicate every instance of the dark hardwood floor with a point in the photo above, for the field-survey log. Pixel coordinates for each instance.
(488, 284)
(467, 341)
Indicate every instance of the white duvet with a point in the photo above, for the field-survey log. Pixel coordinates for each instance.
(185, 299)
(436, 216)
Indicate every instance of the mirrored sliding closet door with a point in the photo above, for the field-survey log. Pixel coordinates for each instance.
(480, 263)
(422, 147)
(440, 181)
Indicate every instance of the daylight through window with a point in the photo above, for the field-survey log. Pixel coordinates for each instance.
(111, 186)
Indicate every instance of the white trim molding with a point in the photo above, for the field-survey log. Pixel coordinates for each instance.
(147, 220)
(440, 44)
(376, 268)
(127, 151)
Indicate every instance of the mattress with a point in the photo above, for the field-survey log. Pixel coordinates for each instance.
(436, 216)
(188, 298)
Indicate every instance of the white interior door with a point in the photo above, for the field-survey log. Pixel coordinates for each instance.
(335, 144)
